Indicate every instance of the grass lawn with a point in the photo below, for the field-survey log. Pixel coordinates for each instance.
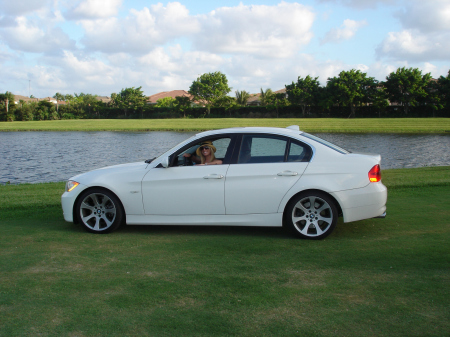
(377, 277)
(362, 125)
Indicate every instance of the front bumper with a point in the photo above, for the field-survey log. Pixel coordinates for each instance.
(68, 200)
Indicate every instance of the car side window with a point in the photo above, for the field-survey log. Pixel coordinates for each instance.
(220, 144)
(262, 149)
(221, 147)
(299, 152)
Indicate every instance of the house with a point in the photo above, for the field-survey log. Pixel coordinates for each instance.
(18, 98)
(104, 99)
(49, 99)
(174, 93)
(255, 100)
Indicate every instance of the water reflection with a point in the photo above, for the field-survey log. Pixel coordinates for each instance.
(397, 151)
(55, 156)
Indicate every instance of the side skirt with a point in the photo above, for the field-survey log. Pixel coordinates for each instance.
(260, 220)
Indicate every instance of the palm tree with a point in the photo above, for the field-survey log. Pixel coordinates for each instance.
(242, 97)
(265, 96)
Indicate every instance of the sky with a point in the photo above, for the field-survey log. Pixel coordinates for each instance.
(103, 46)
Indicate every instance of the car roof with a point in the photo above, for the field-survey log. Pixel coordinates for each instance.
(292, 130)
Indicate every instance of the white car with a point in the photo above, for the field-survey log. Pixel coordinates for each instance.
(265, 177)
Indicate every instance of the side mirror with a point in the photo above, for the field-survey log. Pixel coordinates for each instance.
(165, 162)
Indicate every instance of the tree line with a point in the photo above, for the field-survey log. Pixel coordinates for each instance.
(405, 92)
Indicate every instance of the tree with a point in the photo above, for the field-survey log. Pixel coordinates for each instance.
(26, 111)
(265, 96)
(433, 97)
(68, 97)
(44, 110)
(7, 105)
(242, 97)
(210, 88)
(277, 100)
(129, 98)
(166, 102)
(407, 86)
(352, 88)
(443, 88)
(304, 92)
(379, 99)
(182, 103)
(59, 97)
(226, 102)
(87, 102)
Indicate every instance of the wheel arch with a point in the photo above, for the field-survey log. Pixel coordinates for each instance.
(74, 213)
(338, 206)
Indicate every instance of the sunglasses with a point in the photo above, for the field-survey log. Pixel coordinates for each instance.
(204, 148)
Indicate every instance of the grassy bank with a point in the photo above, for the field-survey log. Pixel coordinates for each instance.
(378, 277)
(366, 125)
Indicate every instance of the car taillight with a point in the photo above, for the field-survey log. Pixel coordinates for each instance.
(375, 174)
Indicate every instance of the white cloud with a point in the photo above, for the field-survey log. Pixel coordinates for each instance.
(177, 68)
(426, 16)
(425, 35)
(381, 70)
(93, 9)
(28, 36)
(266, 31)
(248, 73)
(347, 30)
(413, 45)
(17, 8)
(177, 60)
(263, 31)
(362, 4)
(163, 47)
(140, 31)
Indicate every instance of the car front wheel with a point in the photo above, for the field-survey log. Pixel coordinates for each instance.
(99, 211)
(311, 215)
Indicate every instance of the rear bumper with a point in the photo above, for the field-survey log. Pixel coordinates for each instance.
(382, 216)
(363, 203)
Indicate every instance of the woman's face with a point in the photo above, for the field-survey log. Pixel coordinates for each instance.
(206, 151)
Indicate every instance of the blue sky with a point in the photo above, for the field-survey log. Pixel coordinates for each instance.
(102, 46)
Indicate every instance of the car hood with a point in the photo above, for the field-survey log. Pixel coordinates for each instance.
(130, 171)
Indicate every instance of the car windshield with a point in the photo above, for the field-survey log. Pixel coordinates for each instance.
(326, 143)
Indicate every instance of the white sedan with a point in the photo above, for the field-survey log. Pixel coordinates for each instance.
(259, 177)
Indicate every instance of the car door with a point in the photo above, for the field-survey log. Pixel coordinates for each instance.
(266, 167)
(187, 190)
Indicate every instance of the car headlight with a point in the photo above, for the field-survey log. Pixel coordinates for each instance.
(70, 185)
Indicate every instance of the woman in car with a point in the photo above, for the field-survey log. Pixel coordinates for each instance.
(205, 154)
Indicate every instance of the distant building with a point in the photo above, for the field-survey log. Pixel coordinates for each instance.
(255, 99)
(104, 99)
(18, 98)
(153, 99)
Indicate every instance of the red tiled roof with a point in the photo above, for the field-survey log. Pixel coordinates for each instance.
(174, 93)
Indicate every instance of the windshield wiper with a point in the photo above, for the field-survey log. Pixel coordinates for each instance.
(148, 161)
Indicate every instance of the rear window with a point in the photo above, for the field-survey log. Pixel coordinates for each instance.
(326, 143)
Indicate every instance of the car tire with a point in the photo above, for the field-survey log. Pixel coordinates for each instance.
(311, 215)
(99, 211)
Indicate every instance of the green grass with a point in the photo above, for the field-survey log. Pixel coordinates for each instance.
(364, 125)
(377, 277)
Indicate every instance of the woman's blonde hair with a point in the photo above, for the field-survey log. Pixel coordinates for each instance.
(203, 159)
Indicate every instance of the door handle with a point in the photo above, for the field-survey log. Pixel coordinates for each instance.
(213, 176)
(287, 173)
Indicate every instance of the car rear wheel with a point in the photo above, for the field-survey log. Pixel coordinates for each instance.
(99, 211)
(311, 215)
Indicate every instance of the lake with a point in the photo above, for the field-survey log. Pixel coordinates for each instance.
(33, 157)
